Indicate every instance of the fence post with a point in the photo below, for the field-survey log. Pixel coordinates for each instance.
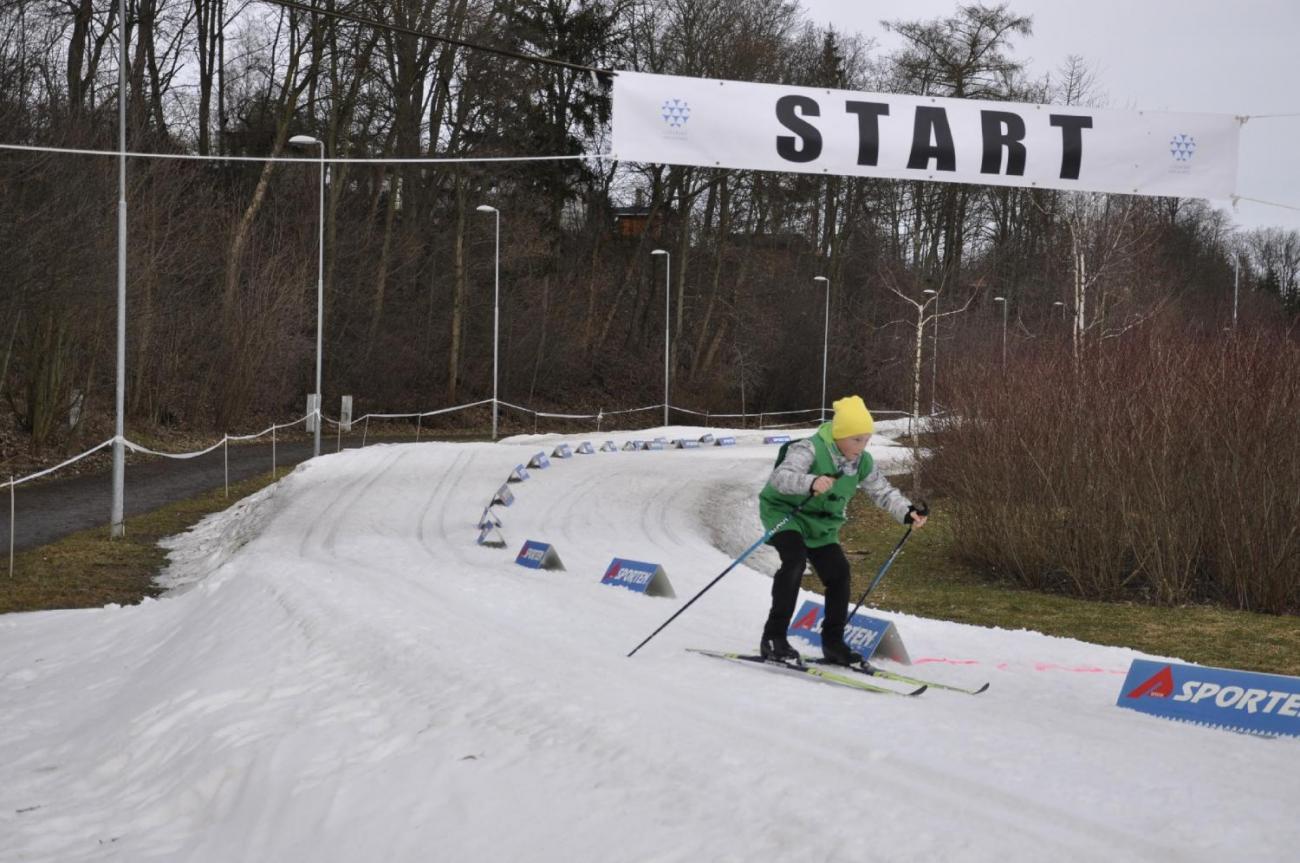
(419, 420)
(365, 432)
(225, 450)
(11, 526)
(338, 443)
(272, 453)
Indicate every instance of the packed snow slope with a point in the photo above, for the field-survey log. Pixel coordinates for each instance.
(342, 674)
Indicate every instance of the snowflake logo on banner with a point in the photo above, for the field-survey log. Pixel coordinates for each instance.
(675, 112)
(1182, 148)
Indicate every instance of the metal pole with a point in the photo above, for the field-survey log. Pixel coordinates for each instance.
(668, 265)
(225, 454)
(320, 297)
(934, 356)
(1236, 281)
(273, 453)
(496, 322)
(1004, 335)
(11, 526)
(826, 340)
(117, 527)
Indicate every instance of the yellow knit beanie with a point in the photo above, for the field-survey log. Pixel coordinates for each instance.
(851, 418)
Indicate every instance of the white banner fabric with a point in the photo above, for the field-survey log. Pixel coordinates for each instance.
(769, 127)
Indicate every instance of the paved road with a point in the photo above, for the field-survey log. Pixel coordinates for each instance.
(51, 510)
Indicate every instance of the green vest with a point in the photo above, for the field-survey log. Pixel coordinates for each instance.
(821, 518)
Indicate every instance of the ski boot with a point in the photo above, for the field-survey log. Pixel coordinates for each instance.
(836, 652)
(777, 649)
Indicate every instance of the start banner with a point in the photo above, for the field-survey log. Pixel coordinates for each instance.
(771, 127)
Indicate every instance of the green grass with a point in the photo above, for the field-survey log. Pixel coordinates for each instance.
(928, 580)
(89, 570)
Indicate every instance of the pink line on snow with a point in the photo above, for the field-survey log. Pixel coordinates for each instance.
(1038, 666)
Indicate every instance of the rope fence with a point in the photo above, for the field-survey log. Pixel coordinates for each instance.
(763, 417)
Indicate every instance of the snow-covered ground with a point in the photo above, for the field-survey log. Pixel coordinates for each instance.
(342, 674)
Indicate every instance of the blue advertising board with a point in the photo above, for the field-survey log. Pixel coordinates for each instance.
(585, 448)
(655, 444)
(706, 438)
(539, 461)
(504, 496)
(538, 555)
(776, 438)
(608, 446)
(562, 451)
(726, 441)
(683, 443)
(865, 635)
(632, 445)
(519, 474)
(638, 576)
(1246, 701)
(488, 518)
(490, 535)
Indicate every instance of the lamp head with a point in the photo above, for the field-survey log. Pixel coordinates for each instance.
(659, 252)
(484, 208)
(303, 141)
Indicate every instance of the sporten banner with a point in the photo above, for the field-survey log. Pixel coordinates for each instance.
(770, 127)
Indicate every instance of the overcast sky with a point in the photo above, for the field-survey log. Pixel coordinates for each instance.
(1212, 56)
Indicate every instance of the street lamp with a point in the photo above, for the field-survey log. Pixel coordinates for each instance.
(496, 308)
(309, 141)
(668, 262)
(826, 336)
(1003, 301)
(117, 524)
(934, 351)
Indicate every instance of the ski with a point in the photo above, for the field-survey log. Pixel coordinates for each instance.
(806, 670)
(867, 668)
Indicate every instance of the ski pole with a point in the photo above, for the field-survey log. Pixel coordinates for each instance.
(780, 524)
(884, 567)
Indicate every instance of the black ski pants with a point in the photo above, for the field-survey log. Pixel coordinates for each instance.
(832, 568)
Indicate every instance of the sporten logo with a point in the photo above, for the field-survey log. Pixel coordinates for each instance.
(1248, 699)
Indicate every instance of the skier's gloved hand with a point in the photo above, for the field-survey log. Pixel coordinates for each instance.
(917, 513)
(822, 484)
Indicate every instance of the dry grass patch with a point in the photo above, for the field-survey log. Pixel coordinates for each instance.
(89, 570)
(929, 581)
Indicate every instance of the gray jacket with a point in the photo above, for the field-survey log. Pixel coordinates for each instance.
(792, 476)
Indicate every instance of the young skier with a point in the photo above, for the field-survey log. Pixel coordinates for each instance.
(832, 465)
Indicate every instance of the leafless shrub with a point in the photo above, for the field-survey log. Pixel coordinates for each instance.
(1164, 468)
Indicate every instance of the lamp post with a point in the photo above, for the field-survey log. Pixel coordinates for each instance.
(117, 525)
(934, 351)
(826, 336)
(668, 261)
(309, 141)
(1003, 301)
(496, 307)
